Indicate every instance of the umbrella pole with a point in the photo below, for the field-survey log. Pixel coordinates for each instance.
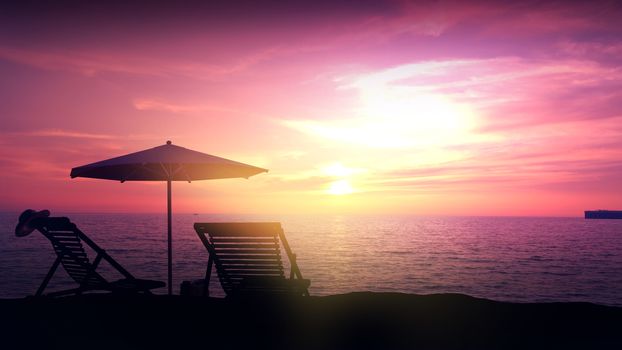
(170, 239)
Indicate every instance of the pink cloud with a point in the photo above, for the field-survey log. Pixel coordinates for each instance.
(583, 48)
(91, 63)
(177, 108)
(63, 133)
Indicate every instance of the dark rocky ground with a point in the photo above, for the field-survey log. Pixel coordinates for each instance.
(350, 321)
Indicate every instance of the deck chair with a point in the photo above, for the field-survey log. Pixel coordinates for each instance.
(248, 260)
(67, 241)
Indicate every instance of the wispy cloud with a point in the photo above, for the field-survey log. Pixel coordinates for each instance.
(90, 63)
(157, 105)
(566, 159)
(87, 63)
(63, 133)
(591, 48)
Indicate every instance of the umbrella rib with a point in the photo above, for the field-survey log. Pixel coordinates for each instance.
(124, 178)
(154, 171)
(166, 171)
(183, 169)
(178, 169)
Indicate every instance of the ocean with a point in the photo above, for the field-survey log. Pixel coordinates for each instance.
(518, 259)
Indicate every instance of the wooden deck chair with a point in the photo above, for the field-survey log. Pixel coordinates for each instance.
(67, 241)
(248, 260)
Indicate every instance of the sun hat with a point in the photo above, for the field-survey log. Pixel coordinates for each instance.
(28, 221)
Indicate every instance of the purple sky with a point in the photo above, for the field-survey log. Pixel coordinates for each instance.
(448, 107)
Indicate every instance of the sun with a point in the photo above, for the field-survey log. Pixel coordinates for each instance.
(340, 187)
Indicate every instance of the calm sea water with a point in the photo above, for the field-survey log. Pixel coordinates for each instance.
(501, 258)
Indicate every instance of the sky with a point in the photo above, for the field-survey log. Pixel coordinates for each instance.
(358, 107)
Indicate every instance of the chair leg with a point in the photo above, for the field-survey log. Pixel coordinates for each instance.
(208, 274)
(48, 277)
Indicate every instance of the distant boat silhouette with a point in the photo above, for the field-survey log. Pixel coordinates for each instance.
(603, 214)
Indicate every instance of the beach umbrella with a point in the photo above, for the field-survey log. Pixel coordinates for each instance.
(166, 163)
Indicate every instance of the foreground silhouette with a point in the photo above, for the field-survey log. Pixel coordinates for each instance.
(166, 163)
(248, 260)
(67, 240)
(351, 321)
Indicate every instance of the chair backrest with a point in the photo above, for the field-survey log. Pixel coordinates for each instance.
(242, 251)
(65, 238)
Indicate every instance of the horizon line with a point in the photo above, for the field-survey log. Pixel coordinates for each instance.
(4, 211)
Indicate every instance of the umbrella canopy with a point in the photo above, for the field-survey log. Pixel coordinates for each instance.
(166, 163)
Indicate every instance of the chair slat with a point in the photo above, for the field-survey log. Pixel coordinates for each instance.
(236, 229)
(244, 245)
(247, 257)
(77, 263)
(249, 251)
(73, 246)
(231, 270)
(78, 275)
(68, 242)
(66, 239)
(59, 234)
(253, 267)
(74, 269)
(245, 276)
(71, 250)
(234, 262)
(254, 273)
(242, 234)
(244, 239)
(64, 235)
(71, 255)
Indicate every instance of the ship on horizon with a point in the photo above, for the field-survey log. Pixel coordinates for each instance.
(603, 214)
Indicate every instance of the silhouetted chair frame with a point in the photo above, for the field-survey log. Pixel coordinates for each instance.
(67, 240)
(247, 257)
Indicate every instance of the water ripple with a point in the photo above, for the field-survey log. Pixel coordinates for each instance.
(513, 259)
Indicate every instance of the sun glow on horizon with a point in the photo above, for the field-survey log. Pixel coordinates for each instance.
(340, 187)
(339, 170)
